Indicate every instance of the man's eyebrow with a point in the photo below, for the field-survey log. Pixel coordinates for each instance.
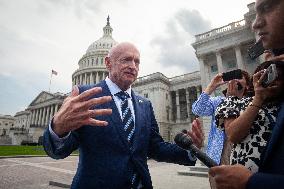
(270, 3)
(260, 5)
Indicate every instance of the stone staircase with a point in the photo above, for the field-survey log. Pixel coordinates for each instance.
(198, 171)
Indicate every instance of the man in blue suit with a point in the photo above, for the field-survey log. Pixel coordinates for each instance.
(269, 25)
(114, 129)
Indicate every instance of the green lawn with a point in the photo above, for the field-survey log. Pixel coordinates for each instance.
(23, 150)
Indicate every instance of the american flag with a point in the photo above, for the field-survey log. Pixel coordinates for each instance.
(54, 72)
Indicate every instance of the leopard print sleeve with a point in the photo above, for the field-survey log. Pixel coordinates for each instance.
(228, 108)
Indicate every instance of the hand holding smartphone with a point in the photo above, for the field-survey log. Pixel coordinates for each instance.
(269, 75)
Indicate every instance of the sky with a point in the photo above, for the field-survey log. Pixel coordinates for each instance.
(37, 36)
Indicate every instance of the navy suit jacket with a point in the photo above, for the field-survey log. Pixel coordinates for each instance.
(105, 156)
(271, 170)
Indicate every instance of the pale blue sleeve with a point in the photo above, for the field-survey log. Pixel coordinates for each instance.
(206, 105)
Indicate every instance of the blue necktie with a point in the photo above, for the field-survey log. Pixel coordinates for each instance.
(128, 126)
(127, 118)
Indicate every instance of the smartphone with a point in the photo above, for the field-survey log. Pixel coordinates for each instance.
(256, 50)
(270, 75)
(235, 74)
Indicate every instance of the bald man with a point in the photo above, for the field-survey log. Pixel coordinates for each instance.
(114, 129)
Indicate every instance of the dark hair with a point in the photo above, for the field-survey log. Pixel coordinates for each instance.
(247, 92)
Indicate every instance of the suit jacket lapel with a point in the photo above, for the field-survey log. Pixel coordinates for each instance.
(276, 133)
(115, 119)
(137, 104)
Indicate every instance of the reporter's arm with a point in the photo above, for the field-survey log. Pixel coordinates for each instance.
(238, 128)
(205, 105)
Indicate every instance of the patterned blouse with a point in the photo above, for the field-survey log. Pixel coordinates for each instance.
(248, 151)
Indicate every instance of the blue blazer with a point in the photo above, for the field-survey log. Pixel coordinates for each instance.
(271, 170)
(105, 156)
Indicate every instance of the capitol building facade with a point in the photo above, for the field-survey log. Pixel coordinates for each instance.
(219, 50)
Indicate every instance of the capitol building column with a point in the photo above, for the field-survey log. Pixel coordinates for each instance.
(91, 78)
(178, 106)
(78, 80)
(88, 78)
(198, 92)
(33, 117)
(47, 115)
(104, 75)
(43, 116)
(203, 72)
(56, 108)
(37, 115)
(97, 77)
(85, 79)
(219, 62)
(239, 58)
(73, 81)
(51, 112)
(188, 104)
(40, 117)
(81, 80)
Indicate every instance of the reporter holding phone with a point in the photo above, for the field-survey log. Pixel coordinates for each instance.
(227, 114)
(248, 121)
(218, 147)
(269, 26)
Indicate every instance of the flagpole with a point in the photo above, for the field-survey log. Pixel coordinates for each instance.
(50, 82)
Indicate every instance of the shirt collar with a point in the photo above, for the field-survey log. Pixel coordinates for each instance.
(114, 88)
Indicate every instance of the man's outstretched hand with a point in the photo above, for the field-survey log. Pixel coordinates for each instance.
(196, 133)
(77, 110)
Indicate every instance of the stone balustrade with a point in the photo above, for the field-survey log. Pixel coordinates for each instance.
(223, 29)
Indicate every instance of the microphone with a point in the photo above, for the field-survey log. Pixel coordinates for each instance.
(185, 142)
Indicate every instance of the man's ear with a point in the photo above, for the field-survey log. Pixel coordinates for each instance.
(107, 63)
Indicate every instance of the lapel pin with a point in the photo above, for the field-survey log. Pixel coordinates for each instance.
(140, 101)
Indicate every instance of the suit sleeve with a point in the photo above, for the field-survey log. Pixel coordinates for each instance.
(68, 145)
(165, 151)
(64, 150)
(265, 180)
